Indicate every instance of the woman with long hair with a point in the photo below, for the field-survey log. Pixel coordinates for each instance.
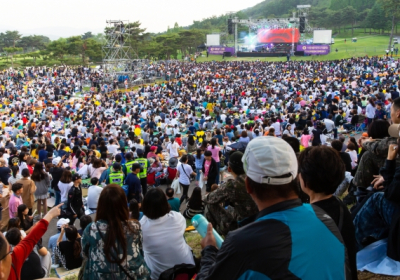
(113, 243)
(195, 204)
(163, 231)
(69, 251)
(15, 175)
(26, 220)
(191, 145)
(42, 182)
(65, 185)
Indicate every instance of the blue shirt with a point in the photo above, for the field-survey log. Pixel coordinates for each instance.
(42, 155)
(198, 161)
(134, 187)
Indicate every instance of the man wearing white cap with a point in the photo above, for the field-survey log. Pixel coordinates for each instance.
(288, 239)
(53, 239)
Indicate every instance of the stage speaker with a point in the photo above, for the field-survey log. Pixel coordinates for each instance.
(230, 26)
(226, 54)
(302, 24)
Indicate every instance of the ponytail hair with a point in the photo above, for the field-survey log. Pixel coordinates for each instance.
(72, 235)
(198, 154)
(14, 170)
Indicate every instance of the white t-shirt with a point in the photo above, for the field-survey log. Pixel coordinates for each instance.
(64, 188)
(173, 149)
(163, 238)
(113, 149)
(93, 196)
(184, 177)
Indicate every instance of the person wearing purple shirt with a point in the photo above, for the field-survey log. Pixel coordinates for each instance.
(15, 200)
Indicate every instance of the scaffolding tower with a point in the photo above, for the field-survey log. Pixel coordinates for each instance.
(119, 59)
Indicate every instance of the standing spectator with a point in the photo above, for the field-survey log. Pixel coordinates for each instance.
(112, 231)
(198, 161)
(75, 206)
(370, 111)
(15, 200)
(184, 172)
(133, 183)
(56, 173)
(173, 148)
(163, 234)
(29, 189)
(42, 182)
(209, 169)
(93, 195)
(5, 172)
(215, 148)
(15, 176)
(65, 185)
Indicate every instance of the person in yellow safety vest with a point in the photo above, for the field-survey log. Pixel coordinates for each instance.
(116, 176)
(144, 165)
(129, 162)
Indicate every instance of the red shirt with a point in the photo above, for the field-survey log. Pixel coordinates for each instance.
(25, 247)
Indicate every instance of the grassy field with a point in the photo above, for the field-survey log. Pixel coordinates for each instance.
(366, 44)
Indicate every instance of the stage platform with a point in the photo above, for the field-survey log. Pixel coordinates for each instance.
(259, 54)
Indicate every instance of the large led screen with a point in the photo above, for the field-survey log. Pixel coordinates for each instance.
(278, 35)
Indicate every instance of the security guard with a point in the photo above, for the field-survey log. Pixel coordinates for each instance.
(144, 165)
(116, 176)
(129, 163)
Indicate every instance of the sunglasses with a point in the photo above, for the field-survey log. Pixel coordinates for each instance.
(9, 252)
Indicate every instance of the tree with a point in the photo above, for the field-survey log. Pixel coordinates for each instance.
(84, 48)
(87, 35)
(392, 11)
(349, 16)
(58, 49)
(33, 42)
(376, 18)
(11, 52)
(10, 38)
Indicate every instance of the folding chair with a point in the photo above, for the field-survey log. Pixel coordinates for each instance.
(360, 126)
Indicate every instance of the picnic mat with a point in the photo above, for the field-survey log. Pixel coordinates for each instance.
(62, 273)
(373, 258)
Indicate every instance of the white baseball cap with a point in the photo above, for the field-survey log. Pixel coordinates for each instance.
(268, 157)
(62, 221)
(56, 160)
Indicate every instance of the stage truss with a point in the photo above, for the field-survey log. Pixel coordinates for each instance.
(119, 59)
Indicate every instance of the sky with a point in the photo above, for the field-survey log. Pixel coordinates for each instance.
(73, 17)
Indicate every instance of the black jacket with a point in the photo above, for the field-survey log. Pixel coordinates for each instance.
(212, 173)
(391, 174)
(75, 203)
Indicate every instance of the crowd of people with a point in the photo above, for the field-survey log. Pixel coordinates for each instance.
(265, 151)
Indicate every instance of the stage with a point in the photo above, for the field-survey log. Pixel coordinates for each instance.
(260, 54)
(265, 54)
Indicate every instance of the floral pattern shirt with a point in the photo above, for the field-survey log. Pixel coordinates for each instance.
(98, 267)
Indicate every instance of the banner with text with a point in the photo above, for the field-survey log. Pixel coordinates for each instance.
(220, 50)
(314, 49)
